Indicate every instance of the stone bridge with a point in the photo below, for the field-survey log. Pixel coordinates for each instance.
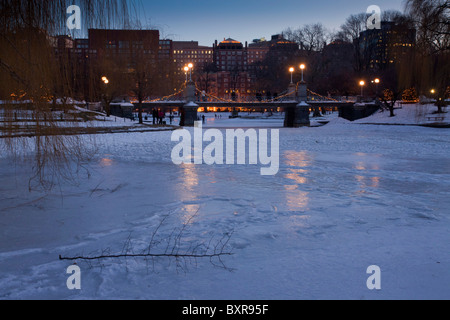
(296, 106)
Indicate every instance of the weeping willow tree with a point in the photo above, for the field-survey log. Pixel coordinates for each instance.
(36, 81)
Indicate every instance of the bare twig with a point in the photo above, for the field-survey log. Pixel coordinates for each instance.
(214, 251)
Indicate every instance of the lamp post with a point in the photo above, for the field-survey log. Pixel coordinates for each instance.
(291, 70)
(302, 67)
(190, 66)
(186, 69)
(189, 111)
(433, 91)
(377, 82)
(105, 96)
(362, 84)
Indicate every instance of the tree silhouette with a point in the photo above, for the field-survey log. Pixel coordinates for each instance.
(32, 77)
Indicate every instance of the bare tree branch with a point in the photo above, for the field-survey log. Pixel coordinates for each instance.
(214, 250)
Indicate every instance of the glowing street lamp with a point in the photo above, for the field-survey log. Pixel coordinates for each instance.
(186, 69)
(190, 66)
(377, 82)
(302, 67)
(105, 80)
(362, 84)
(291, 70)
(433, 91)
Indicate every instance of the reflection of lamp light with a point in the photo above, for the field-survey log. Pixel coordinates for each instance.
(291, 70)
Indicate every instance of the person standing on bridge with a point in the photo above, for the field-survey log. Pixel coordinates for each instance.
(155, 115)
(161, 117)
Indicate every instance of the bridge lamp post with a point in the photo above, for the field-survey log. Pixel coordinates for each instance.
(362, 84)
(186, 69)
(104, 96)
(302, 67)
(377, 82)
(291, 70)
(190, 66)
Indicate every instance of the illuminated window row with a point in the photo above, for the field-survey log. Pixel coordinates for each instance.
(191, 52)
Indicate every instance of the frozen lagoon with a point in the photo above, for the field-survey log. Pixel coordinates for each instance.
(347, 196)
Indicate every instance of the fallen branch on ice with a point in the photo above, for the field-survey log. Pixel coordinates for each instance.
(172, 249)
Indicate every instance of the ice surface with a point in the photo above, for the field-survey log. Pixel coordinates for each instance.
(347, 196)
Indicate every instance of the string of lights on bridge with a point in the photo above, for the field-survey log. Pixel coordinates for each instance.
(180, 91)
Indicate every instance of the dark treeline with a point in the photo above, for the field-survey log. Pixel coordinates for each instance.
(337, 62)
(35, 81)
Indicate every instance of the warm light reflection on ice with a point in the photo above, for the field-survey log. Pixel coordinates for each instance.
(106, 162)
(295, 160)
(365, 182)
(188, 182)
(190, 176)
(296, 199)
(189, 213)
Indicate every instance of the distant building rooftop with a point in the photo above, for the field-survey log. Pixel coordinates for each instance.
(230, 41)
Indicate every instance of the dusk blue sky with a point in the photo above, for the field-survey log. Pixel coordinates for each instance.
(245, 20)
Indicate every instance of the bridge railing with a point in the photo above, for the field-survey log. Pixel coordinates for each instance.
(202, 96)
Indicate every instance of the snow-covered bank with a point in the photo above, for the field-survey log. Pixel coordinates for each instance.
(409, 114)
(99, 124)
